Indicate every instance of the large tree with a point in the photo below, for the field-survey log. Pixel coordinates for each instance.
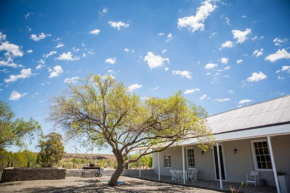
(15, 131)
(101, 111)
(51, 149)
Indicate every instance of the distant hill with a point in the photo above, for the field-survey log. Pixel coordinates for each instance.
(89, 156)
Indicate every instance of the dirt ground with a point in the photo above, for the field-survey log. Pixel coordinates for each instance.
(78, 184)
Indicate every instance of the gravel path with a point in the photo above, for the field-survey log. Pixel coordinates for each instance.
(78, 184)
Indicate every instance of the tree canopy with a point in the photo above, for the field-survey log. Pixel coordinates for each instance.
(15, 131)
(51, 149)
(101, 111)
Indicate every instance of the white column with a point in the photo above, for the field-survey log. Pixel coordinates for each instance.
(219, 165)
(273, 164)
(158, 167)
(140, 166)
(183, 164)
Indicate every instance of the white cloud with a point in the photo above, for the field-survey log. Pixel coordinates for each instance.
(258, 53)
(111, 60)
(24, 73)
(227, 44)
(231, 92)
(278, 42)
(59, 45)
(29, 51)
(127, 50)
(202, 97)
(15, 96)
(241, 36)
(243, 16)
(2, 36)
(226, 68)
(256, 77)
(190, 91)
(184, 73)
(105, 10)
(27, 15)
(56, 71)
(119, 24)
(169, 37)
(210, 66)
(166, 68)
(134, 87)
(49, 54)
(111, 72)
(239, 61)
(280, 54)
(75, 49)
(71, 80)
(228, 20)
(39, 37)
(67, 56)
(284, 68)
(223, 100)
(163, 51)
(245, 101)
(155, 61)
(41, 61)
(224, 60)
(12, 49)
(84, 55)
(39, 66)
(155, 88)
(95, 31)
(281, 77)
(161, 34)
(196, 22)
(212, 35)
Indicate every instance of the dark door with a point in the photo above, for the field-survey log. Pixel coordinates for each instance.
(217, 164)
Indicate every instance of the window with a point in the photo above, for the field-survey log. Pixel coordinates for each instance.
(167, 161)
(190, 158)
(261, 154)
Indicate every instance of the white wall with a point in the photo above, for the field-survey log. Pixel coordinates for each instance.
(237, 165)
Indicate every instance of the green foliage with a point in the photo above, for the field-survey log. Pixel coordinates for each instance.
(146, 161)
(101, 112)
(51, 149)
(15, 131)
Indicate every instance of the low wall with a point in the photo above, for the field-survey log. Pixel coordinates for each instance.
(23, 174)
(88, 173)
(108, 172)
(135, 172)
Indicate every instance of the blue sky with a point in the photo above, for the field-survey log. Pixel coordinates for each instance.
(220, 54)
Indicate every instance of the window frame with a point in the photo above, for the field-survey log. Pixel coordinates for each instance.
(164, 161)
(187, 161)
(255, 158)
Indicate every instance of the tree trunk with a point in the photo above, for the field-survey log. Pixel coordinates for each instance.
(118, 171)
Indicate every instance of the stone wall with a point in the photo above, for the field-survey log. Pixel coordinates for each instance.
(23, 174)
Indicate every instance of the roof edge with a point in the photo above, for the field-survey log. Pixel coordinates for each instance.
(249, 105)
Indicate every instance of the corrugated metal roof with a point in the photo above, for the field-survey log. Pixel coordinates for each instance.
(245, 134)
(275, 111)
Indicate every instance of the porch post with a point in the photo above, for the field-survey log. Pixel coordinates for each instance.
(219, 165)
(158, 167)
(183, 164)
(273, 164)
(140, 166)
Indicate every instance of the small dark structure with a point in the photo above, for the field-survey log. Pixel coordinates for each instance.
(92, 167)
